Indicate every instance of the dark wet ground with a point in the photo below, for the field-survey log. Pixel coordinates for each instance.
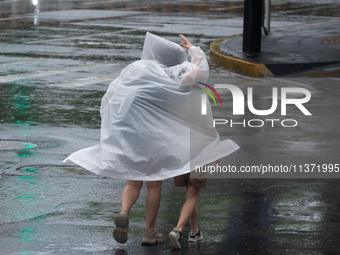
(56, 61)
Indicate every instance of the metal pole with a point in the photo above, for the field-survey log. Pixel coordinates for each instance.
(267, 15)
(252, 23)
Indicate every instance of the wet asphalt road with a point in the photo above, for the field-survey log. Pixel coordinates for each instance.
(56, 61)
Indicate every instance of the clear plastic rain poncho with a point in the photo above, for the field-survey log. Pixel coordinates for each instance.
(152, 127)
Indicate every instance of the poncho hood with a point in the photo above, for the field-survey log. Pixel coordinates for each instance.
(163, 51)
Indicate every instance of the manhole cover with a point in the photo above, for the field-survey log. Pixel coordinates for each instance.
(333, 41)
(15, 145)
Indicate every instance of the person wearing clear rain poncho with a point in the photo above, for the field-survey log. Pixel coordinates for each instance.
(152, 128)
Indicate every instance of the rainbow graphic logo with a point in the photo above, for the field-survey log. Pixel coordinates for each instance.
(204, 97)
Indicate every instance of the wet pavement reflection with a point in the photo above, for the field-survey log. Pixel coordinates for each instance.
(56, 61)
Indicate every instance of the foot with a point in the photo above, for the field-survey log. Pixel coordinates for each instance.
(152, 238)
(175, 238)
(194, 237)
(120, 232)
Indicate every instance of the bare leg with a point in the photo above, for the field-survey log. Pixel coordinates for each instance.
(193, 219)
(189, 208)
(153, 200)
(130, 195)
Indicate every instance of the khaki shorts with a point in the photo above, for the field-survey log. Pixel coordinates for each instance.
(186, 181)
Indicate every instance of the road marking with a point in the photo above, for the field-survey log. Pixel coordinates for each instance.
(23, 76)
(20, 17)
(84, 81)
(82, 36)
(15, 145)
(29, 61)
(110, 44)
(103, 2)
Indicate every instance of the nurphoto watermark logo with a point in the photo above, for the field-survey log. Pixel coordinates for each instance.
(239, 105)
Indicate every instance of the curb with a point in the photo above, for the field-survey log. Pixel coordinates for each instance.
(249, 67)
(246, 66)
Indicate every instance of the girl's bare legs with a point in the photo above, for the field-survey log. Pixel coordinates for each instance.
(189, 209)
(153, 200)
(193, 219)
(130, 195)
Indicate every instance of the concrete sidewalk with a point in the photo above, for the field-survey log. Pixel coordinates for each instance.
(309, 50)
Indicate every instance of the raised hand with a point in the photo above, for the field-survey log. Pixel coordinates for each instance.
(187, 44)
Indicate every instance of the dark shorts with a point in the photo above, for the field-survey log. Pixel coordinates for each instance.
(186, 181)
